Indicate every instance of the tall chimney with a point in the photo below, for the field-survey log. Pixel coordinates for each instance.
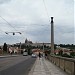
(52, 36)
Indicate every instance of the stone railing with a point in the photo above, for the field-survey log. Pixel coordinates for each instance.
(66, 64)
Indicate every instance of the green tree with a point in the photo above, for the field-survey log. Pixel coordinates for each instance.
(66, 55)
(72, 53)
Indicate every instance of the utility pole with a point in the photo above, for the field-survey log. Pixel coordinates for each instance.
(20, 47)
(52, 36)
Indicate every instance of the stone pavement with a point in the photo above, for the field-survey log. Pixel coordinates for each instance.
(45, 67)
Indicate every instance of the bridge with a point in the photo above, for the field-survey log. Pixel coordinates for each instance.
(54, 65)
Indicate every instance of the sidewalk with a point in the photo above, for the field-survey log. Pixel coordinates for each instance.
(45, 67)
(3, 56)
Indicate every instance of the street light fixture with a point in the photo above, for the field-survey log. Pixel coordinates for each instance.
(13, 32)
(6, 32)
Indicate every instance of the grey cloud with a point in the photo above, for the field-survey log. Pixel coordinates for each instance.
(64, 34)
(23, 14)
(4, 1)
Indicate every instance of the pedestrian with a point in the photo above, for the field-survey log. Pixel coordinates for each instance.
(46, 55)
(39, 55)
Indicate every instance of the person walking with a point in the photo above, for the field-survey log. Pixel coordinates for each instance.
(46, 55)
(39, 55)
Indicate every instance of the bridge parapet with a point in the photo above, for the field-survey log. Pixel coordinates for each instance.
(66, 64)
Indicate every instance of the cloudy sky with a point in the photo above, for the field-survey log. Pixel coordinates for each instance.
(32, 19)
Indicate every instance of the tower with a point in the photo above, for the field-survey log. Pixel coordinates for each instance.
(52, 36)
(26, 41)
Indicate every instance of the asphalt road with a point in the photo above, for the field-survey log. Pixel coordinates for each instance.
(20, 65)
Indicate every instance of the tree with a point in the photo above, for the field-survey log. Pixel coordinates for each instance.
(72, 53)
(55, 46)
(5, 47)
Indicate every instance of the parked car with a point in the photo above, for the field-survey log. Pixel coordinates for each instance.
(34, 55)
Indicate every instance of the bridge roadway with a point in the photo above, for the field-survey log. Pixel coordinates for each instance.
(16, 65)
(25, 65)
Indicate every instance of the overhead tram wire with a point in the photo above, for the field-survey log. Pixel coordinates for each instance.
(11, 35)
(46, 10)
(13, 26)
(7, 22)
(10, 24)
(8, 34)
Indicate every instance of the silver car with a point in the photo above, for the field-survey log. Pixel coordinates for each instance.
(34, 55)
(25, 53)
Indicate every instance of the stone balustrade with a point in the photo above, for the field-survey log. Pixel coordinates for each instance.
(66, 64)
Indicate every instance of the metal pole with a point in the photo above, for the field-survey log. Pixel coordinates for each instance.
(43, 50)
(20, 47)
(52, 36)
